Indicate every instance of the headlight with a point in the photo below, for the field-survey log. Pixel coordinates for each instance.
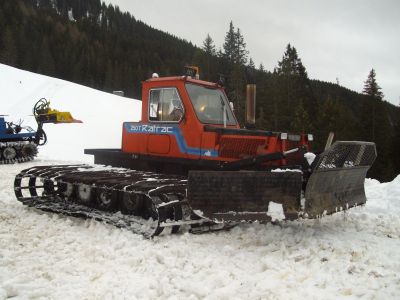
(310, 137)
(283, 136)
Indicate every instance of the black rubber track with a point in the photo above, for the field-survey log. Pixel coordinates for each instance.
(142, 202)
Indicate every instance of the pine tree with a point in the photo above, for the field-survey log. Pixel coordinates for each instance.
(234, 48)
(373, 90)
(240, 52)
(371, 87)
(261, 68)
(291, 63)
(376, 127)
(208, 46)
(230, 44)
(234, 51)
(210, 51)
(293, 87)
(251, 64)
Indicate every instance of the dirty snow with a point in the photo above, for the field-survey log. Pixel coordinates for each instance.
(310, 157)
(44, 256)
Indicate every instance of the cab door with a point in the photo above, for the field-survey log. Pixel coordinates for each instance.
(169, 133)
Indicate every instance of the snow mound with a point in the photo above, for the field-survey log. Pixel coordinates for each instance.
(102, 113)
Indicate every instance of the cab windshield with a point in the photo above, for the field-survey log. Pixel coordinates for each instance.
(211, 105)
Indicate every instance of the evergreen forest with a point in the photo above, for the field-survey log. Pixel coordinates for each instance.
(100, 46)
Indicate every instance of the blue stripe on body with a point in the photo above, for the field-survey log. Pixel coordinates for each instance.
(16, 135)
(170, 129)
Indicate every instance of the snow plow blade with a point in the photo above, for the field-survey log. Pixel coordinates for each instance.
(243, 195)
(337, 180)
(336, 183)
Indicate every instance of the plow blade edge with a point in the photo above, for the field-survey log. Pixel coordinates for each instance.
(336, 183)
(337, 180)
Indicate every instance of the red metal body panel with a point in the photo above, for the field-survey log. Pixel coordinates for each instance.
(188, 138)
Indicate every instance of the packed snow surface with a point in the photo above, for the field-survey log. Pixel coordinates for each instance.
(45, 256)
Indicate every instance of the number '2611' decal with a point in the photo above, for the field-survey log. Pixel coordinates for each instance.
(149, 128)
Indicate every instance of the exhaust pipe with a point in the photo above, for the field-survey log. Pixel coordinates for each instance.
(251, 106)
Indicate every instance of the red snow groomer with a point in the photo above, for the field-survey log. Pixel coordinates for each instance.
(190, 164)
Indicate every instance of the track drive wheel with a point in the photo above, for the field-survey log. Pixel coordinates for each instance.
(85, 194)
(132, 204)
(9, 153)
(65, 189)
(29, 150)
(106, 199)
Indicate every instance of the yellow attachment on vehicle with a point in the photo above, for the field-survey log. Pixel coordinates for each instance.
(55, 116)
(44, 114)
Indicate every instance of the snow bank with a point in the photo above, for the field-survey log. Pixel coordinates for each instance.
(102, 113)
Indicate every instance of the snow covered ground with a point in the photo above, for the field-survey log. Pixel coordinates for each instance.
(44, 256)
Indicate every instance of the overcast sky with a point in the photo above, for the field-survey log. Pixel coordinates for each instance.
(340, 39)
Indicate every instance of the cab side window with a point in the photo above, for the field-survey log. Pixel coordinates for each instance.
(165, 105)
